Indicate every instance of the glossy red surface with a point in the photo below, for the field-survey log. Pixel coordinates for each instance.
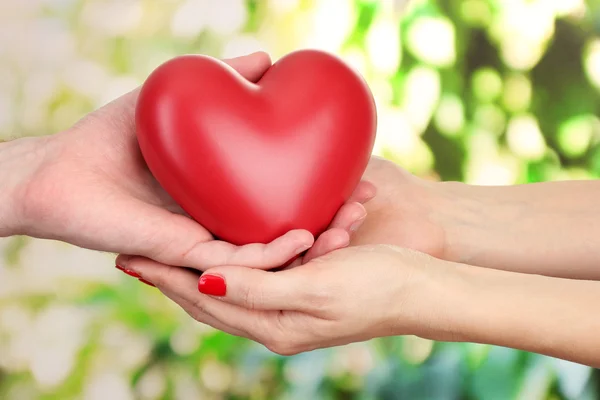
(213, 285)
(252, 161)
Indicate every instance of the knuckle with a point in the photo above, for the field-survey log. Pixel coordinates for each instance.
(192, 251)
(161, 246)
(203, 253)
(253, 297)
(319, 297)
(248, 297)
(161, 279)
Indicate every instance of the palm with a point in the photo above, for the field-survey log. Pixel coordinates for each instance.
(117, 151)
(101, 155)
(402, 213)
(92, 188)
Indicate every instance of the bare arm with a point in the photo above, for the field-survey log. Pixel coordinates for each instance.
(552, 316)
(387, 291)
(548, 228)
(18, 160)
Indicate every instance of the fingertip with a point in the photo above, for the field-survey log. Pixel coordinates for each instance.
(260, 60)
(348, 215)
(332, 239)
(262, 56)
(133, 263)
(358, 211)
(251, 66)
(303, 238)
(359, 214)
(364, 192)
(122, 260)
(339, 238)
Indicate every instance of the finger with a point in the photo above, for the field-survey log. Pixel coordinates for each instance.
(251, 66)
(256, 255)
(225, 317)
(349, 217)
(174, 239)
(329, 241)
(186, 283)
(149, 231)
(250, 288)
(255, 289)
(182, 286)
(364, 192)
(202, 317)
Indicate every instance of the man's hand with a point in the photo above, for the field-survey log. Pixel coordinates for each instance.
(90, 186)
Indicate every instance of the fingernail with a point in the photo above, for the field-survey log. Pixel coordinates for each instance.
(303, 248)
(213, 285)
(354, 227)
(127, 271)
(146, 282)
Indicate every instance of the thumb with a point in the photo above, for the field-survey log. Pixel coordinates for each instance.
(255, 289)
(174, 239)
(157, 233)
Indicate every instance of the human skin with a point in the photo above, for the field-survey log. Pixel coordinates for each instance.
(362, 292)
(546, 228)
(90, 186)
(407, 274)
(51, 190)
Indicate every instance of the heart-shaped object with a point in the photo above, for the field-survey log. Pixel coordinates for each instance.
(251, 161)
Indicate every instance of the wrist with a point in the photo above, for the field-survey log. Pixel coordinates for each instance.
(453, 303)
(19, 161)
(472, 219)
(464, 303)
(7, 191)
(430, 298)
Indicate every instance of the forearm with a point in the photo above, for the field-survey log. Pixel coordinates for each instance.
(549, 228)
(552, 316)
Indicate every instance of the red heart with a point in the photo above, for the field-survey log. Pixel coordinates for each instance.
(252, 161)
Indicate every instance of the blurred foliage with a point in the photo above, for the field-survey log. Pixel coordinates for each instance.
(483, 91)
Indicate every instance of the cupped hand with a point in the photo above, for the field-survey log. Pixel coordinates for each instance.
(90, 186)
(349, 295)
(407, 211)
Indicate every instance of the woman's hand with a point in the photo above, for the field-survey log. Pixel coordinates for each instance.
(90, 186)
(359, 293)
(545, 228)
(349, 295)
(407, 212)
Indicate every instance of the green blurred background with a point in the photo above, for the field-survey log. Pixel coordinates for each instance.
(483, 91)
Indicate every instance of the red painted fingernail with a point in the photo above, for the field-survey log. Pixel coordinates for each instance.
(127, 271)
(146, 282)
(213, 285)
